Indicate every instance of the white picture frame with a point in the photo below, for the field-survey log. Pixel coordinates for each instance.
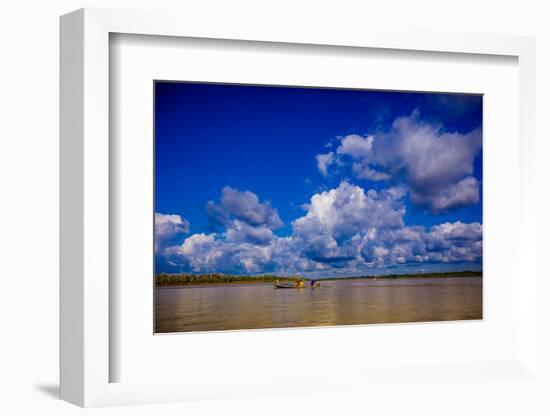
(85, 200)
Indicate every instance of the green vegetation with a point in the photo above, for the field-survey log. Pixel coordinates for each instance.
(214, 279)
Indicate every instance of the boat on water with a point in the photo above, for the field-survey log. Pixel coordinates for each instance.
(293, 285)
(286, 285)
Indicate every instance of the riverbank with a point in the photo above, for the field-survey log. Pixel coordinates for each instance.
(412, 276)
(167, 280)
(218, 279)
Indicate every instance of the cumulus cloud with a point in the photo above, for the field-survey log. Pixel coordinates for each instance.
(363, 171)
(356, 146)
(430, 158)
(359, 229)
(334, 217)
(245, 243)
(436, 164)
(215, 253)
(239, 231)
(244, 206)
(444, 243)
(168, 226)
(324, 161)
(452, 242)
(343, 230)
(465, 192)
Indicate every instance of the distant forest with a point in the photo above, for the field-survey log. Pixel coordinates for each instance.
(212, 279)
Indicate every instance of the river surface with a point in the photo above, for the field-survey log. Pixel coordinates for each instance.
(346, 302)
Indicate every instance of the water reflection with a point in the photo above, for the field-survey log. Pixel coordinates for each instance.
(348, 302)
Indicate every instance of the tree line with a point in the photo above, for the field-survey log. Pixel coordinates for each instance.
(165, 279)
(201, 279)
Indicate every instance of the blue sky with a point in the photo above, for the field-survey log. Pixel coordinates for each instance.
(245, 175)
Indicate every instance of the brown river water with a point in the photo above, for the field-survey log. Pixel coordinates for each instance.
(346, 302)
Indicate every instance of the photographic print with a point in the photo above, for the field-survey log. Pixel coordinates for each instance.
(281, 206)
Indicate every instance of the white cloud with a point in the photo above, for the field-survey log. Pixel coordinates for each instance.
(363, 171)
(356, 146)
(324, 161)
(465, 192)
(457, 231)
(198, 242)
(337, 216)
(435, 164)
(168, 227)
(199, 253)
(239, 231)
(211, 253)
(429, 157)
(244, 206)
(344, 230)
(245, 245)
